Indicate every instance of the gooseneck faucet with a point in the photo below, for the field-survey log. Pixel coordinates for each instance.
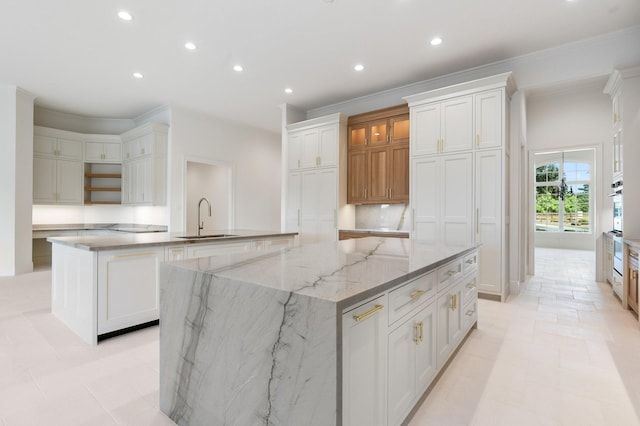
(201, 224)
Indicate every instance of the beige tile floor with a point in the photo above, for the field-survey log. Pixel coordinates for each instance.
(563, 352)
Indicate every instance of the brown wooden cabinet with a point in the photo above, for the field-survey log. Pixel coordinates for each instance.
(632, 270)
(378, 167)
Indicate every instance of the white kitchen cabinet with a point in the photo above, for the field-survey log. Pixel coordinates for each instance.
(175, 253)
(57, 181)
(412, 362)
(128, 287)
(442, 198)
(617, 155)
(313, 192)
(57, 167)
(220, 248)
(144, 168)
(488, 118)
(450, 322)
(318, 204)
(442, 127)
(490, 190)
(364, 360)
(103, 149)
(292, 212)
(464, 200)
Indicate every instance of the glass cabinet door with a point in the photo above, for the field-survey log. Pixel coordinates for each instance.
(378, 132)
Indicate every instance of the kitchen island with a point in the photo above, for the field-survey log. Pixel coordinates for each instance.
(353, 332)
(103, 285)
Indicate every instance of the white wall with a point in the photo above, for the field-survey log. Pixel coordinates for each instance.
(16, 180)
(254, 154)
(212, 181)
(576, 117)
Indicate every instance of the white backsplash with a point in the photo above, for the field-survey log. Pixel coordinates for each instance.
(393, 217)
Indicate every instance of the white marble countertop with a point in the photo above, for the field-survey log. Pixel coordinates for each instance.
(121, 227)
(128, 240)
(343, 272)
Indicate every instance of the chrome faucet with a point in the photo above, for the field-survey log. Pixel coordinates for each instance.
(201, 224)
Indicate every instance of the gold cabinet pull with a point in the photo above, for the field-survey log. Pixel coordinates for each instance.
(452, 273)
(454, 302)
(470, 261)
(417, 294)
(470, 285)
(421, 324)
(367, 314)
(416, 332)
(470, 312)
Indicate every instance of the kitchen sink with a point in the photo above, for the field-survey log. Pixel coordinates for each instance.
(194, 237)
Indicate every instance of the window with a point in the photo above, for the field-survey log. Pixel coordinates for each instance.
(563, 200)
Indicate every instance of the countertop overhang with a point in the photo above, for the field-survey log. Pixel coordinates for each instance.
(128, 240)
(343, 272)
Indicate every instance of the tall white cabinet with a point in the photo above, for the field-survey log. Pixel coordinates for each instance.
(316, 163)
(460, 172)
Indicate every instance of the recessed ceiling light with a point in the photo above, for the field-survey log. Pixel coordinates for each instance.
(288, 90)
(125, 16)
(190, 46)
(137, 75)
(436, 41)
(237, 68)
(359, 67)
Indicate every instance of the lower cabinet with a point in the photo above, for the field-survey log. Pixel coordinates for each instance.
(632, 270)
(364, 344)
(412, 362)
(127, 288)
(394, 345)
(608, 258)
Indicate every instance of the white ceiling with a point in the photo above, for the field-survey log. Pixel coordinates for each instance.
(78, 57)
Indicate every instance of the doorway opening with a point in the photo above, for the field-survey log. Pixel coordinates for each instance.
(212, 180)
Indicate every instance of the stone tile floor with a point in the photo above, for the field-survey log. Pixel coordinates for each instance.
(563, 352)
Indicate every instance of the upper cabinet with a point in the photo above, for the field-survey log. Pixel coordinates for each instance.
(378, 165)
(144, 165)
(313, 147)
(57, 167)
(103, 149)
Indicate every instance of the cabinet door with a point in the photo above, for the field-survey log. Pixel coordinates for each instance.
(292, 215)
(399, 127)
(309, 149)
(44, 180)
(489, 189)
(456, 202)
(632, 290)
(94, 151)
(70, 149)
(44, 145)
(457, 124)
(127, 288)
(327, 194)
(378, 178)
(69, 182)
(401, 376)
(357, 135)
(425, 199)
(148, 179)
(293, 156)
(425, 129)
(364, 346)
(488, 119)
(378, 132)
(357, 176)
(617, 154)
(328, 146)
(309, 207)
(399, 173)
(145, 145)
(450, 323)
(426, 365)
(127, 182)
(112, 152)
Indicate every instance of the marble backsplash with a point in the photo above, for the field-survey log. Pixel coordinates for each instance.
(393, 217)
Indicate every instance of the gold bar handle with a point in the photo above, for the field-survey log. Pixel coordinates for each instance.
(417, 294)
(149, 253)
(421, 330)
(367, 314)
(417, 333)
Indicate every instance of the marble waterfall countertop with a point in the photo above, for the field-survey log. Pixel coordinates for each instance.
(257, 338)
(343, 272)
(128, 240)
(118, 227)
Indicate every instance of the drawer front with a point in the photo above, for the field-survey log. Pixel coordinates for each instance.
(470, 263)
(449, 273)
(470, 289)
(404, 299)
(354, 314)
(470, 314)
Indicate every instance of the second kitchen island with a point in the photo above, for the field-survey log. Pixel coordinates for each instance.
(351, 333)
